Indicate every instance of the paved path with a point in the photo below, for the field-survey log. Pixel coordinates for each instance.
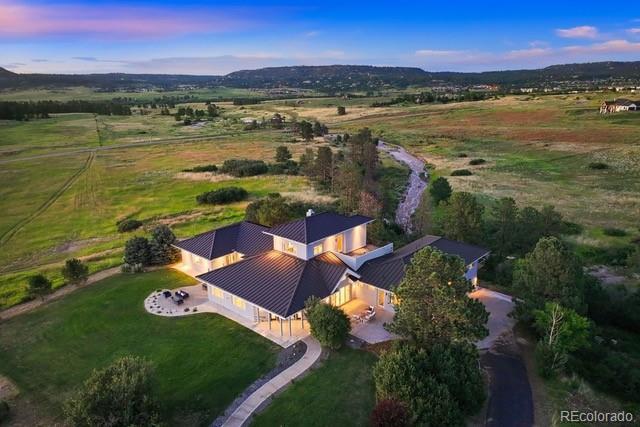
(510, 397)
(413, 193)
(243, 413)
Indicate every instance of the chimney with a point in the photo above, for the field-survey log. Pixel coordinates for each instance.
(310, 212)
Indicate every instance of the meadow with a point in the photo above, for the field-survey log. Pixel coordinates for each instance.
(66, 181)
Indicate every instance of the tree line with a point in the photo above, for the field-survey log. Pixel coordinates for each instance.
(12, 110)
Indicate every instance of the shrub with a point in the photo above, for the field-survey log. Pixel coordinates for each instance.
(204, 168)
(223, 195)
(440, 190)
(137, 250)
(290, 167)
(341, 110)
(128, 224)
(119, 395)
(75, 272)
(598, 165)
(4, 411)
(244, 167)
(389, 413)
(132, 268)
(329, 324)
(475, 162)
(39, 286)
(615, 232)
(461, 172)
(462, 155)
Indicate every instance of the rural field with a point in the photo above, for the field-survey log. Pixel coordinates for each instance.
(67, 180)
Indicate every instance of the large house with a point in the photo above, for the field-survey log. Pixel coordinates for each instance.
(263, 274)
(618, 105)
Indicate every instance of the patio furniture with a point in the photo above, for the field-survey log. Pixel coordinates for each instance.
(370, 316)
(166, 294)
(177, 300)
(183, 294)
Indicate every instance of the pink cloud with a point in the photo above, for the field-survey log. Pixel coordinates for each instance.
(582, 32)
(611, 46)
(24, 21)
(528, 53)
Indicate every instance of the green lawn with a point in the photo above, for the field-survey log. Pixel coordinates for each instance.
(203, 361)
(340, 393)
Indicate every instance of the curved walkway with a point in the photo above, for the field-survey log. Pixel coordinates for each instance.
(260, 397)
(416, 186)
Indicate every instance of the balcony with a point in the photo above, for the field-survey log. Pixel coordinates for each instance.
(357, 257)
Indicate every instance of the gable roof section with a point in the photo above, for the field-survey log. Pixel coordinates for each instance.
(316, 227)
(387, 271)
(278, 282)
(244, 237)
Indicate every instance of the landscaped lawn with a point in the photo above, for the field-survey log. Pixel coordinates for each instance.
(202, 362)
(340, 393)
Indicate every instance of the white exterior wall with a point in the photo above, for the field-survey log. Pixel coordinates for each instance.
(198, 265)
(369, 294)
(249, 311)
(472, 273)
(353, 238)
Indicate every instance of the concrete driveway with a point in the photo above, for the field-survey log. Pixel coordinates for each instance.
(510, 398)
(499, 306)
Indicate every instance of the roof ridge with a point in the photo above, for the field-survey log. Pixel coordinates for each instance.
(293, 294)
(213, 240)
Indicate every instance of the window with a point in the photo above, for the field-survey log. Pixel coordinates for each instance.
(339, 243)
(287, 246)
(238, 302)
(317, 249)
(231, 258)
(217, 292)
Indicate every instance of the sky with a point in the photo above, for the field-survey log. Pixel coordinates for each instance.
(218, 37)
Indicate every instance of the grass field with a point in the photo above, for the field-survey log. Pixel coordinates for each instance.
(340, 393)
(537, 150)
(202, 361)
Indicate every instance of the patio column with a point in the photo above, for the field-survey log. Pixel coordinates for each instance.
(281, 330)
(289, 326)
(269, 320)
(302, 319)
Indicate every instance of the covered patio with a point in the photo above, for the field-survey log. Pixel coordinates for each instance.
(372, 330)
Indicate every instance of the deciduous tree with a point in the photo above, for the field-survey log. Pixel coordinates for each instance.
(75, 272)
(462, 218)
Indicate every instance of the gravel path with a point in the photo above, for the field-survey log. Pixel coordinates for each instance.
(416, 186)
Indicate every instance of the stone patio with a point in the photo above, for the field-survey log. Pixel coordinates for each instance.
(156, 303)
(372, 331)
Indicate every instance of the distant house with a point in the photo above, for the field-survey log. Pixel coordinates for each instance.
(260, 275)
(618, 105)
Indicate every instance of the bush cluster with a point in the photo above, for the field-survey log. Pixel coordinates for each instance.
(244, 167)
(615, 232)
(598, 165)
(128, 224)
(223, 195)
(475, 162)
(203, 168)
(461, 172)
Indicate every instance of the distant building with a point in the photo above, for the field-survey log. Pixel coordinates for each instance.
(618, 105)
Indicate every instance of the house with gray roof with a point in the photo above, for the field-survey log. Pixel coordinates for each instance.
(263, 275)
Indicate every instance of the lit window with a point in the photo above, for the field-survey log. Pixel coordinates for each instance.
(287, 246)
(217, 292)
(317, 249)
(238, 302)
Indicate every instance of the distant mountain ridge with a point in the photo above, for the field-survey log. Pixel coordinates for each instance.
(333, 78)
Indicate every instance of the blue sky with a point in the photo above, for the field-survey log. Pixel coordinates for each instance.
(198, 37)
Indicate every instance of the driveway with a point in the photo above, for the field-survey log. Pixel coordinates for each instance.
(510, 399)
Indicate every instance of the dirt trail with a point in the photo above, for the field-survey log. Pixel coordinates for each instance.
(416, 186)
(7, 235)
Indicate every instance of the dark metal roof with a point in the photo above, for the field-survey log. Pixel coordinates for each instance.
(318, 226)
(278, 282)
(387, 271)
(244, 237)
